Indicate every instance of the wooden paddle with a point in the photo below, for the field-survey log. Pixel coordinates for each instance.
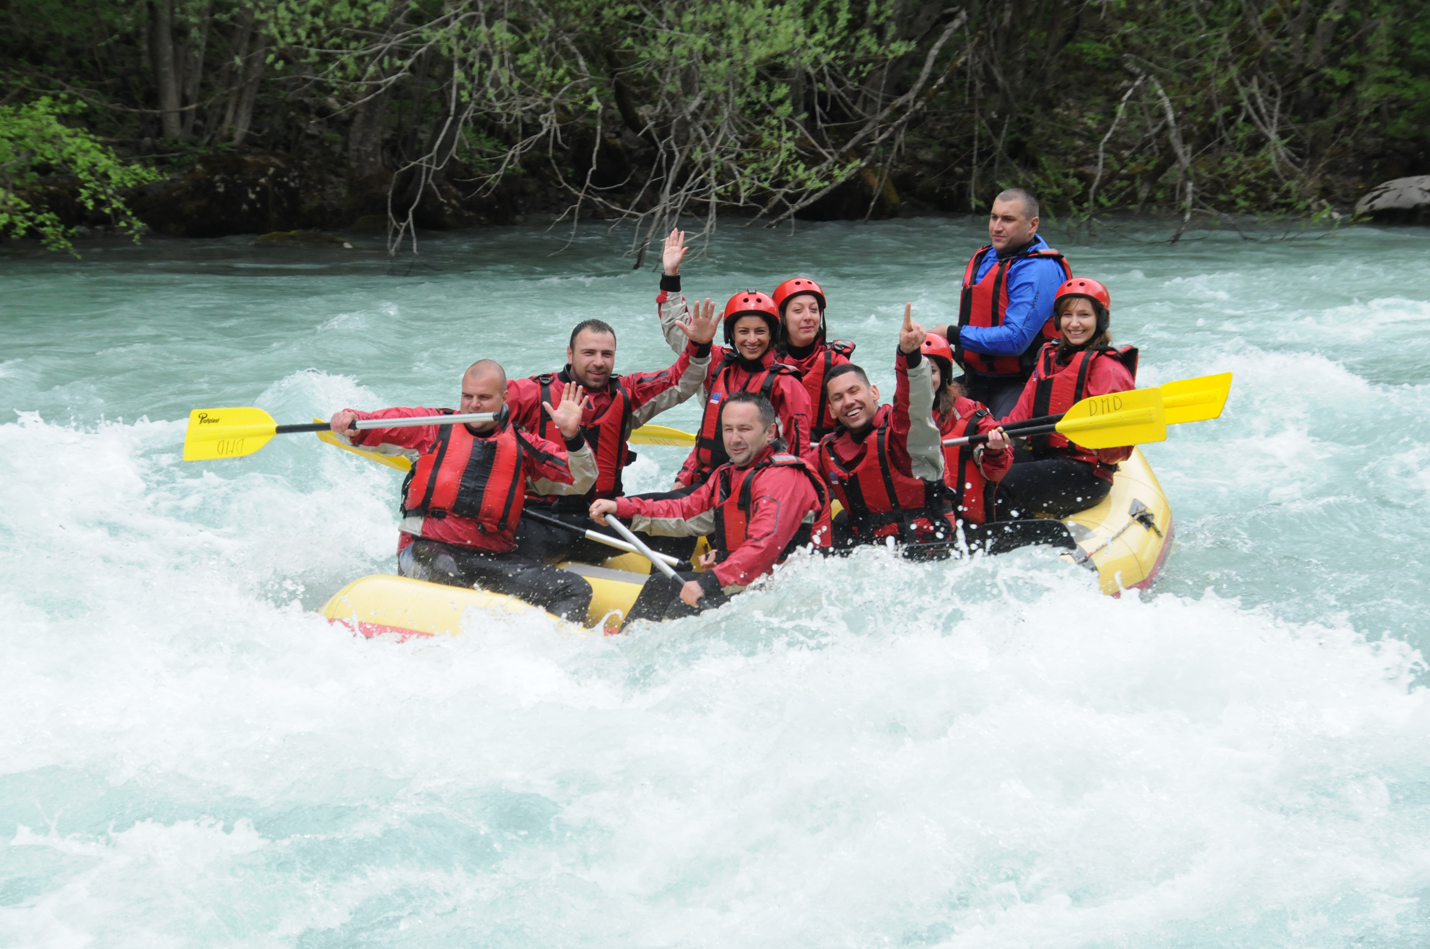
(236, 432)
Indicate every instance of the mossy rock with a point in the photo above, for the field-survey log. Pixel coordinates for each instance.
(300, 239)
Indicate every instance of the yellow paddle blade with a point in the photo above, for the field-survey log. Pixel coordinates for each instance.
(1195, 400)
(661, 435)
(227, 433)
(399, 462)
(1116, 420)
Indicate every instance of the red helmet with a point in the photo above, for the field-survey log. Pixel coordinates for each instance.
(750, 303)
(793, 288)
(936, 347)
(1088, 288)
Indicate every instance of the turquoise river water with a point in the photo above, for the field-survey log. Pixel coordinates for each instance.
(984, 753)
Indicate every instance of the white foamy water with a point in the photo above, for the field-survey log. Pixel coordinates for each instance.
(861, 753)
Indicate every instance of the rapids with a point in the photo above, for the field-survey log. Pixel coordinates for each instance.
(860, 753)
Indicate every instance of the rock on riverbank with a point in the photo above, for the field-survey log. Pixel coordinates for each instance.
(1399, 201)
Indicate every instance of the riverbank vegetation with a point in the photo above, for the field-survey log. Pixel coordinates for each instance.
(265, 115)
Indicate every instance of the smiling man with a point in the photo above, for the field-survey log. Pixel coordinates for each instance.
(1006, 307)
(758, 508)
(617, 405)
(885, 463)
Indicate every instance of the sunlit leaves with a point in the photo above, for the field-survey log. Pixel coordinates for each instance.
(35, 143)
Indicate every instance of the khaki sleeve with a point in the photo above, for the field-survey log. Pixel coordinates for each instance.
(925, 440)
(692, 380)
(583, 474)
(702, 523)
(673, 309)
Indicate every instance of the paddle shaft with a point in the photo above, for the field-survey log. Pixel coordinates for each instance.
(1045, 429)
(635, 542)
(591, 535)
(390, 422)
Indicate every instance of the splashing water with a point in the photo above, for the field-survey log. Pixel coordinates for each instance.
(859, 752)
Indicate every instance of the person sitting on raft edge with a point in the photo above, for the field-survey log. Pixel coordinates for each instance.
(618, 405)
(463, 498)
(746, 363)
(885, 464)
(758, 508)
(1065, 478)
(1006, 305)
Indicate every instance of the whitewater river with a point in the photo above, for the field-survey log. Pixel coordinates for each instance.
(862, 753)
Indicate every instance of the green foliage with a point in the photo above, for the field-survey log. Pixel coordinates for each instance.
(680, 105)
(35, 144)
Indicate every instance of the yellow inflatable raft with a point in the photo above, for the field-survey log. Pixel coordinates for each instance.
(1124, 540)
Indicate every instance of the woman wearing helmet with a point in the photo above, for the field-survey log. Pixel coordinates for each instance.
(1064, 477)
(802, 345)
(970, 472)
(746, 363)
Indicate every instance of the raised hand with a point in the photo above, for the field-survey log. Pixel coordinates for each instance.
(911, 335)
(567, 413)
(674, 252)
(703, 323)
(599, 510)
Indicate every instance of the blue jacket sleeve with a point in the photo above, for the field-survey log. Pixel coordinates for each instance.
(1031, 287)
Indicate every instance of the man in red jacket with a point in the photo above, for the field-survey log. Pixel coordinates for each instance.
(759, 508)
(463, 499)
(618, 404)
(885, 462)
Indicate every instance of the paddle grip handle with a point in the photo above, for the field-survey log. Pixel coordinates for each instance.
(302, 427)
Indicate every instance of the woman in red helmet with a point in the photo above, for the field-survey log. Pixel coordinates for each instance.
(970, 472)
(746, 363)
(1064, 477)
(802, 345)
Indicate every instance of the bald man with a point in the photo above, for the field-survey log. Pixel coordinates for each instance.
(463, 499)
(1006, 308)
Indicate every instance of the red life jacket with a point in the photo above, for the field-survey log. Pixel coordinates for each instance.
(972, 494)
(1057, 390)
(479, 478)
(709, 443)
(881, 501)
(984, 303)
(607, 434)
(822, 423)
(732, 506)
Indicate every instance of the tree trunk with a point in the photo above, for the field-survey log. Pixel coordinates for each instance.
(244, 113)
(234, 70)
(365, 137)
(194, 73)
(166, 76)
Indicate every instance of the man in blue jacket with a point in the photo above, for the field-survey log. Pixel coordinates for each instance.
(1005, 314)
